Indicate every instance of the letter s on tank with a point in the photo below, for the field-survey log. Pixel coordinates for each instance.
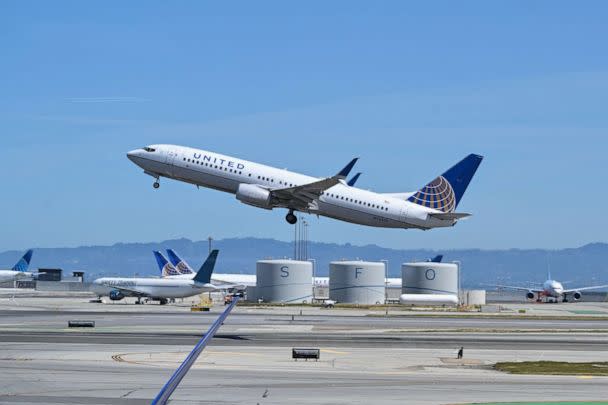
(284, 271)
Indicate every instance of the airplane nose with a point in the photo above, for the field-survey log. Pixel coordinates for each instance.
(133, 154)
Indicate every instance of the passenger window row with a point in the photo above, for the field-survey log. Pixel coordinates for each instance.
(226, 169)
(338, 197)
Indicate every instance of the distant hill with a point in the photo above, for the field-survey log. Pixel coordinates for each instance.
(238, 255)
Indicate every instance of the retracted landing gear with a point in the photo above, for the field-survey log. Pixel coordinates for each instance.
(291, 218)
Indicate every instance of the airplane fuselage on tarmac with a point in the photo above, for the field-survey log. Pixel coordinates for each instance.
(268, 187)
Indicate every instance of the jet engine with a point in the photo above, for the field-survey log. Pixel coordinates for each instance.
(530, 295)
(253, 195)
(577, 295)
(116, 295)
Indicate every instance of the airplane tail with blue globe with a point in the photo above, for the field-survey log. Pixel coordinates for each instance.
(166, 268)
(445, 192)
(24, 263)
(181, 265)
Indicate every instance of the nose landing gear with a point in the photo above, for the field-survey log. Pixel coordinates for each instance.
(291, 218)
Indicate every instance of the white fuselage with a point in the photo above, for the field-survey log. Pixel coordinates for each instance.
(343, 202)
(12, 275)
(152, 287)
(552, 288)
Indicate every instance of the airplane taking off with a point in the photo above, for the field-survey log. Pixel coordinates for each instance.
(161, 289)
(433, 206)
(553, 289)
(19, 270)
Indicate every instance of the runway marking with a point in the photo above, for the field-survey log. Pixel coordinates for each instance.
(333, 351)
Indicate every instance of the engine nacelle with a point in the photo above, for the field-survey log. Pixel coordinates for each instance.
(530, 295)
(116, 295)
(577, 295)
(253, 195)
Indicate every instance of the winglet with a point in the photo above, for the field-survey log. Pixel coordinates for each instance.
(344, 172)
(204, 273)
(352, 181)
(24, 263)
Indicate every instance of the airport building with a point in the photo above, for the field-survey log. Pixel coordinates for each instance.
(357, 282)
(283, 281)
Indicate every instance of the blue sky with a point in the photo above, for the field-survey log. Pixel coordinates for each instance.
(409, 87)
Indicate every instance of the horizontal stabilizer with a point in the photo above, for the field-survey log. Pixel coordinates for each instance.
(449, 216)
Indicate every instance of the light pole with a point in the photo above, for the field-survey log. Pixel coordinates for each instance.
(385, 284)
(209, 239)
(457, 262)
(314, 276)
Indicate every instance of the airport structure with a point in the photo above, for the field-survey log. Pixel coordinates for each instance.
(429, 278)
(357, 282)
(283, 281)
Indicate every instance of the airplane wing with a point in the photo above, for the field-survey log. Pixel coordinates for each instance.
(511, 287)
(237, 287)
(594, 287)
(447, 216)
(299, 197)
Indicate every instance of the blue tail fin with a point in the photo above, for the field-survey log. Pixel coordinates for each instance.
(166, 268)
(24, 263)
(204, 273)
(444, 193)
(181, 265)
(436, 259)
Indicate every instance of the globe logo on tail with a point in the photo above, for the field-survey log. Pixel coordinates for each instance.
(438, 194)
(169, 270)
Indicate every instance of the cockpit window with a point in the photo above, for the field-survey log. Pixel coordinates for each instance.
(149, 149)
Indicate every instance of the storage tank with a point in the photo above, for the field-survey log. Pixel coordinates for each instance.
(428, 299)
(429, 278)
(288, 281)
(357, 282)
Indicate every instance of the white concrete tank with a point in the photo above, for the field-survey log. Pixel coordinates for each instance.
(357, 282)
(429, 278)
(287, 281)
(428, 299)
(476, 297)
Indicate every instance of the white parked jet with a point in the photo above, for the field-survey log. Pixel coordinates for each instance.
(267, 187)
(160, 289)
(19, 270)
(237, 281)
(553, 289)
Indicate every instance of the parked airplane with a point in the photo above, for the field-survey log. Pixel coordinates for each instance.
(19, 270)
(267, 187)
(161, 289)
(553, 289)
(239, 281)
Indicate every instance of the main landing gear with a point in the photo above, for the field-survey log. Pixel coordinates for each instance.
(156, 184)
(291, 218)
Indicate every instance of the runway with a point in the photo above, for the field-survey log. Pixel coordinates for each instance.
(365, 358)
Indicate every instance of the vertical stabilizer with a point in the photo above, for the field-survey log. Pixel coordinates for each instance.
(180, 264)
(166, 268)
(24, 263)
(204, 273)
(444, 192)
